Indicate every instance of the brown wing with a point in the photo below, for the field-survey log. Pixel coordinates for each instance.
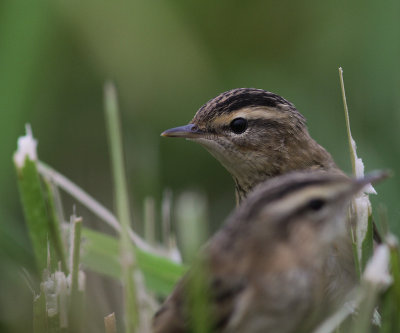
(170, 317)
(173, 316)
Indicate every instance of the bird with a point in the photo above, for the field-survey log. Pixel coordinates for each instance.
(256, 135)
(264, 270)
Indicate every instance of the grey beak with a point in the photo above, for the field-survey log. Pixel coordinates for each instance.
(370, 178)
(187, 131)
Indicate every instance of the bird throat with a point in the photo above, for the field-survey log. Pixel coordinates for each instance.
(316, 158)
(243, 186)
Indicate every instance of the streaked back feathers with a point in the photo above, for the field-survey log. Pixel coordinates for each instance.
(266, 266)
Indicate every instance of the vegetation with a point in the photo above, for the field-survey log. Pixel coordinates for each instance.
(147, 272)
(167, 59)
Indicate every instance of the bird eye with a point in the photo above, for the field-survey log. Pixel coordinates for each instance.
(316, 204)
(238, 125)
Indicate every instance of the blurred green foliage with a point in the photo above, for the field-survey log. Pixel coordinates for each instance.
(167, 59)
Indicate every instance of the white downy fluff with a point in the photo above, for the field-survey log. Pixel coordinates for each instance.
(361, 203)
(26, 148)
(377, 270)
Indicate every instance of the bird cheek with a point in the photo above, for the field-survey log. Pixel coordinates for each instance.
(336, 228)
(243, 143)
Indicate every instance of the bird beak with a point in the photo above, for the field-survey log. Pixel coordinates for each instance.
(188, 131)
(370, 178)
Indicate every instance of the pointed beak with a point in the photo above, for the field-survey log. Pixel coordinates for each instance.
(188, 131)
(370, 178)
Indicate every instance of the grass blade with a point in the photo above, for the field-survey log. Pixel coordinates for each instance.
(76, 294)
(93, 205)
(101, 254)
(353, 154)
(54, 229)
(128, 260)
(361, 206)
(368, 244)
(110, 324)
(32, 198)
(39, 314)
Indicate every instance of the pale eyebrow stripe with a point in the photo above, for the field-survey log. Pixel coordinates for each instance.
(262, 113)
(300, 197)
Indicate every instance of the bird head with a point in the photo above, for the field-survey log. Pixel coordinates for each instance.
(309, 203)
(255, 135)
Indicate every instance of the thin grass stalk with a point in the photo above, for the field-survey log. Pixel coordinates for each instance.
(63, 295)
(389, 306)
(361, 206)
(75, 251)
(191, 218)
(395, 270)
(56, 195)
(93, 205)
(333, 322)
(54, 229)
(128, 259)
(346, 114)
(110, 324)
(191, 215)
(76, 295)
(39, 314)
(198, 292)
(395, 267)
(149, 221)
(362, 323)
(166, 205)
(367, 249)
(354, 246)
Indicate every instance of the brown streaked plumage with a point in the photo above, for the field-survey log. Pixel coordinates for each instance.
(275, 141)
(257, 135)
(272, 140)
(265, 269)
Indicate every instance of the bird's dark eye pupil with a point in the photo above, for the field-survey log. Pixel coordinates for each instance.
(238, 125)
(316, 204)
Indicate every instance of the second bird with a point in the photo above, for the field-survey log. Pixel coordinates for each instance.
(264, 270)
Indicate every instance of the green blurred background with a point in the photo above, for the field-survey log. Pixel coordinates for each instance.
(167, 58)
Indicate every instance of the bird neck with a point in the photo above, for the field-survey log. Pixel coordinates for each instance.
(294, 155)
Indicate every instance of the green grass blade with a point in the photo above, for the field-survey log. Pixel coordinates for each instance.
(35, 211)
(395, 267)
(362, 323)
(355, 254)
(389, 312)
(149, 220)
(76, 247)
(191, 217)
(39, 314)
(54, 229)
(101, 254)
(38, 206)
(353, 154)
(390, 307)
(332, 324)
(128, 260)
(367, 247)
(94, 206)
(76, 295)
(198, 292)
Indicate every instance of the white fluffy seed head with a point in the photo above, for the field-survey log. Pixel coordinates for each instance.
(26, 148)
(377, 270)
